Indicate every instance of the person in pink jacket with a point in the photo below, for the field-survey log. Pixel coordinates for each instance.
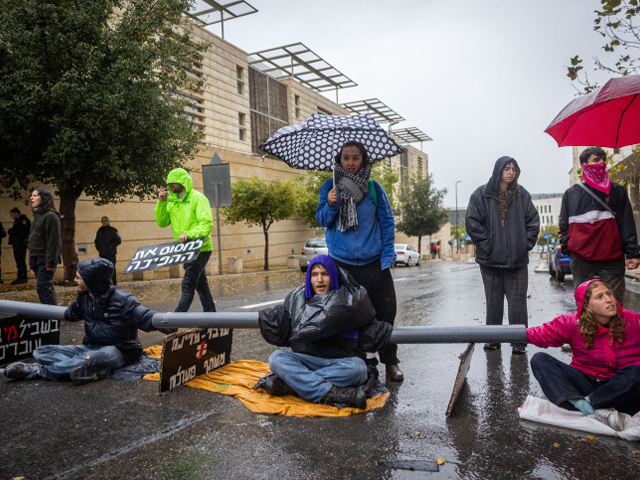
(604, 376)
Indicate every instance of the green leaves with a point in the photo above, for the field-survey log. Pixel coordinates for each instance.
(260, 203)
(422, 210)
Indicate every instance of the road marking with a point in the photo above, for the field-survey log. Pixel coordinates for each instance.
(263, 304)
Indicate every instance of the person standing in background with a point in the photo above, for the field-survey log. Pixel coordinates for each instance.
(106, 242)
(44, 244)
(18, 238)
(504, 224)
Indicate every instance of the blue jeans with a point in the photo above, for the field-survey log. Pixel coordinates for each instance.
(561, 382)
(58, 361)
(312, 377)
(194, 279)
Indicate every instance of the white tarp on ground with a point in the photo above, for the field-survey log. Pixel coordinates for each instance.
(543, 411)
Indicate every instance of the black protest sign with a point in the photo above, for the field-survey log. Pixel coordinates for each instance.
(185, 355)
(164, 255)
(20, 336)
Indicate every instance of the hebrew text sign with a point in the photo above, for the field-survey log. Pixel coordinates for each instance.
(187, 354)
(164, 255)
(20, 336)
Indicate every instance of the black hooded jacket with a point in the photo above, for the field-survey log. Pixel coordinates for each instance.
(112, 316)
(501, 246)
(322, 323)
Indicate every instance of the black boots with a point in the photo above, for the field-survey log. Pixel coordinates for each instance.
(276, 387)
(394, 373)
(19, 281)
(353, 396)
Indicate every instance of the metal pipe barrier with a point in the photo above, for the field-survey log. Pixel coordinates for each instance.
(463, 334)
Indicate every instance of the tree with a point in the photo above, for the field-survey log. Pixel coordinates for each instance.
(311, 192)
(552, 230)
(617, 24)
(258, 202)
(92, 100)
(422, 210)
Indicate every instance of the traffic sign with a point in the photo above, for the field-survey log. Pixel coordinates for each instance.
(546, 236)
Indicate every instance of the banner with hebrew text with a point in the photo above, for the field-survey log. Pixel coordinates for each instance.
(20, 336)
(164, 255)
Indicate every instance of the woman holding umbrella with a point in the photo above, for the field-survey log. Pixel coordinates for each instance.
(360, 233)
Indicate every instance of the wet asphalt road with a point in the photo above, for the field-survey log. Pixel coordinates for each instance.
(125, 430)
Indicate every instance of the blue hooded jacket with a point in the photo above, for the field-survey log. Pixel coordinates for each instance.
(372, 239)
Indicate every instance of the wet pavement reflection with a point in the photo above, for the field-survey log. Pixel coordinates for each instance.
(196, 434)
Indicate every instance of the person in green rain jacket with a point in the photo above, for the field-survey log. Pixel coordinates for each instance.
(189, 214)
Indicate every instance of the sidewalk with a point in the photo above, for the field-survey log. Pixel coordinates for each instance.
(29, 289)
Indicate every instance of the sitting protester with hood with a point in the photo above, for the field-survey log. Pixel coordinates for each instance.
(329, 323)
(604, 376)
(111, 317)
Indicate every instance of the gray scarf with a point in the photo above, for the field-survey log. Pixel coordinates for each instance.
(352, 189)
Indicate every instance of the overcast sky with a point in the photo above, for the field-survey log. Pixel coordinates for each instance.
(482, 78)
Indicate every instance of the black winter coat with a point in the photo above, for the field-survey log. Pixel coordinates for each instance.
(318, 323)
(112, 316)
(501, 246)
(19, 233)
(107, 241)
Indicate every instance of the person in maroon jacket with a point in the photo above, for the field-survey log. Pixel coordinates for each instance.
(597, 228)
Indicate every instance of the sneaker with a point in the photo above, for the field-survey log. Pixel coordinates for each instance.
(610, 417)
(21, 371)
(85, 374)
(491, 346)
(518, 349)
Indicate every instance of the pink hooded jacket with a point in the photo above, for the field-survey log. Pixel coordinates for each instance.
(604, 359)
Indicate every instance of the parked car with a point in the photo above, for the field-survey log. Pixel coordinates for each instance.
(559, 264)
(406, 255)
(313, 247)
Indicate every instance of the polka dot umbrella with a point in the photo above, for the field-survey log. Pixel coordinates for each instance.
(314, 143)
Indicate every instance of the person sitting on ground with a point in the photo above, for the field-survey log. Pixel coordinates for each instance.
(604, 376)
(329, 323)
(111, 317)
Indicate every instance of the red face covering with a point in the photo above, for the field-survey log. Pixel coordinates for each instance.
(597, 176)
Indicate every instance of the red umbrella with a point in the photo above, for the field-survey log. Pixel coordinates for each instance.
(608, 117)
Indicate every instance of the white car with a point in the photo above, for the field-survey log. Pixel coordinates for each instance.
(406, 255)
(313, 247)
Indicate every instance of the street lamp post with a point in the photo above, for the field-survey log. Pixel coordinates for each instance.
(457, 233)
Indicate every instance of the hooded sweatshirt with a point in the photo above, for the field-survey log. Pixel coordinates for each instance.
(502, 243)
(606, 357)
(190, 214)
(111, 316)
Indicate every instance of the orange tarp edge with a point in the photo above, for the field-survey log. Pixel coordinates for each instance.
(238, 378)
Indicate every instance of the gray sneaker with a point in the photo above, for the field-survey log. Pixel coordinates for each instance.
(22, 371)
(610, 417)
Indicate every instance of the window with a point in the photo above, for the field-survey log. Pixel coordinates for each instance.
(241, 130)
(322, 111)
(296, 100)
(551, 218)
(420, 167)
(240, 78)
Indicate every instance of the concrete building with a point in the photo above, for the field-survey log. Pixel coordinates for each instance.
(244, 102)
(548, 206)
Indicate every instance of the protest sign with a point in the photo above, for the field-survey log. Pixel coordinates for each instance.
(185, 355)
(164, 255)
(20, 336)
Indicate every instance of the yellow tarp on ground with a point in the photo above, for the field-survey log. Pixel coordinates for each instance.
(239, 377)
